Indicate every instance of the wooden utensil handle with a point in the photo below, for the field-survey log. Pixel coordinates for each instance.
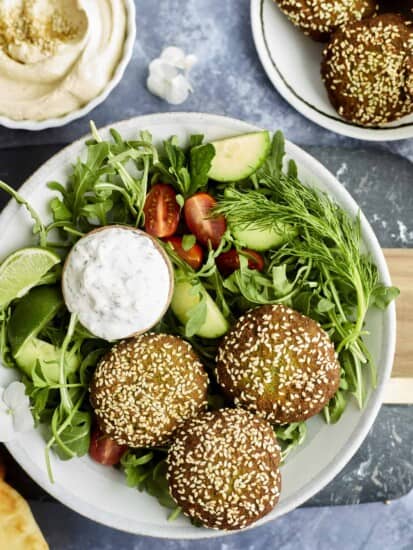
(400, 388)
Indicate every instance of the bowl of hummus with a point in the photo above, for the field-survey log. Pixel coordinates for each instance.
(59, 59)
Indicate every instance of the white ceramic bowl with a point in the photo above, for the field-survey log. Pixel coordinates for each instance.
(35, 125)
(100, 493)
(292, 62)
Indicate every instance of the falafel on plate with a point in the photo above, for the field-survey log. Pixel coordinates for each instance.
(223, 469)
(278, 363)
(319, 18)
(146, 387)
(367, 68)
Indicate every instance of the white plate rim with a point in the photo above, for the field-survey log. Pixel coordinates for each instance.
(369, 413)
(330, 122)
(36, 125)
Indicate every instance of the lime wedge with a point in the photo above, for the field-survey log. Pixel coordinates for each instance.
(23, 270)
(31, 315)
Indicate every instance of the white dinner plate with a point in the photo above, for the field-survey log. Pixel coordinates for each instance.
(292, 62)
(99, 492)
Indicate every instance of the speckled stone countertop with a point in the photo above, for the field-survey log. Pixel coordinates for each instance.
(229, 80)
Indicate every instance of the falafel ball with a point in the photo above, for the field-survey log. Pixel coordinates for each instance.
(368, 70)
(319, 18)
(223, 469)
(146, 387)
(278, 363)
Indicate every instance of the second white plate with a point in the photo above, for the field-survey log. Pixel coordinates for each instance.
(292, 62)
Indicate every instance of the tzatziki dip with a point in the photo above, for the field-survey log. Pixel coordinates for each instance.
(118, 281)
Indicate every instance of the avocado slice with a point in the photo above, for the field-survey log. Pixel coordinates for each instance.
(34, 350)
(183, 301)
(31, 315)
(238, 157)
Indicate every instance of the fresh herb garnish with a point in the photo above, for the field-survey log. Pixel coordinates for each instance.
(186, 169)
(145, 469)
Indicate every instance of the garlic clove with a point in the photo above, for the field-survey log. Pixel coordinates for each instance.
(174, 56)
(179, 89)
(190, 61)
(157, 85)
(162, 69)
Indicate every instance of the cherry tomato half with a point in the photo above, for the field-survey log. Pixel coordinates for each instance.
(197, 212)
(104, 450)
(194, 256)
(228, 262)
(161, 211)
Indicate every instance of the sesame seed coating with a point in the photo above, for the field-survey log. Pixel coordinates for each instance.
(146, 387)
(223, 469)
(368, 70)
(278, 363)
(319, 18)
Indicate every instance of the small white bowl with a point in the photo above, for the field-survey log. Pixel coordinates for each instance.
(292, 62)
(35, 125)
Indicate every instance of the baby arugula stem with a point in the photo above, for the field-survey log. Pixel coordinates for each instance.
(105, 186)
(38, 224)
(58, 431)
(64, 393)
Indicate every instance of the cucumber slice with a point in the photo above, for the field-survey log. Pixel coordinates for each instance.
(264, 239)
(35, 350)
(238, 157)
(183, 300)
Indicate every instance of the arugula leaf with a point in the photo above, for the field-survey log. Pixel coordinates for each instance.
(39, 400)
(200, 164)
(261, 288)
(180, 200)
(324, 305)
(188, 241)
(84, 175)
(382, 296)
(5, 349)
(109, 187)
(197, 314)
(335, 408)
(176, 168)
(60, 211)
(75, 437)
(290, 436)
(195, 140)
(145, 469)
(186, 170)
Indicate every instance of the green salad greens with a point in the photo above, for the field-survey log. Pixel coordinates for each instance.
(316, 266)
